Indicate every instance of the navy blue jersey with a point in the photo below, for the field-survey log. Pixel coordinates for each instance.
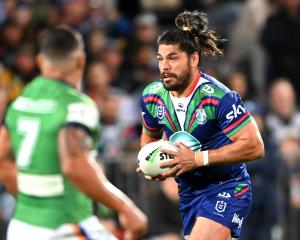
(202, 121)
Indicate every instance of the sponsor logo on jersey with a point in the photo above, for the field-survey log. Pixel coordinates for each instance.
(224, 195)
(155, 88)
(180, 105)
(220, 206)
(160, 112)
(201, 116)
(236, 219)
(237, 110)
(42, 106)
(208, 89)
(189, 140)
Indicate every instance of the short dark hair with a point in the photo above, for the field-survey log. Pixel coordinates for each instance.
(60, 43)
(192, 34)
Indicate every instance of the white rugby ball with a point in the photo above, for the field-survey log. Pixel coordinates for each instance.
(150, 157)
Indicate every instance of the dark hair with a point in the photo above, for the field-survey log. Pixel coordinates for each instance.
(192, 34)
(59, 43)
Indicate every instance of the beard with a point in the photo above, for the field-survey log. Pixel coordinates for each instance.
(181, 81)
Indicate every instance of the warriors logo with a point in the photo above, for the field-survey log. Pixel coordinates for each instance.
(201, 116)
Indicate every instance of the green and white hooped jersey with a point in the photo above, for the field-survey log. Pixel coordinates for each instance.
(45, 197)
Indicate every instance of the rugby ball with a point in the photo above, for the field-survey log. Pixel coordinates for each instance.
(150, 157)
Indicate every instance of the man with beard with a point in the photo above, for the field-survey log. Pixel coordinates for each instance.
(210, 125)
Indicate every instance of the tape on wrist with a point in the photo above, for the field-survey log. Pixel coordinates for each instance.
(205, 158)
(196, 157)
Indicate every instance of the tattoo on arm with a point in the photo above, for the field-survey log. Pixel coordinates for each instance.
(77, 141)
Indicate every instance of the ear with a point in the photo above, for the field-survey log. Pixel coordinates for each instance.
(81, 60)
(195, 59)
(39, 60)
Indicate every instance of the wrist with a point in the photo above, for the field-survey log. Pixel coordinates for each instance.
(201, 158)
(126, 206)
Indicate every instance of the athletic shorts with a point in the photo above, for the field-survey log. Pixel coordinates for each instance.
(228, 203)
(87, 229)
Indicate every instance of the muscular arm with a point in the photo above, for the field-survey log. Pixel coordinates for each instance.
(148, 138)
(7, 163)
(246, 145)
(74, 147)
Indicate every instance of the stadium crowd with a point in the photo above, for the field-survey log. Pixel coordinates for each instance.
(261, 63)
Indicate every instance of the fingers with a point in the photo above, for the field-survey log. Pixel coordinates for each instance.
(172, 172)
(159, 177)
(181, 145)
(180, 171)
(169, 163)
(170, 152)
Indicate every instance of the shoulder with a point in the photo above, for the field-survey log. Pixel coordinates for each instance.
(212, 88)
(155, 88)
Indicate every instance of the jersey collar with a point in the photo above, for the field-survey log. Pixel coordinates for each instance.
(195, 83)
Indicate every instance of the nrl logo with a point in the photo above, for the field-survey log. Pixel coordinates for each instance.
(201, 116)
(160, 112)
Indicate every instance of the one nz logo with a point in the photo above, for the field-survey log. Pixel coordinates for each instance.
(160, 112)
(201, 116)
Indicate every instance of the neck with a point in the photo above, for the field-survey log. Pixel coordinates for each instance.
(70, 77)
(190, 87)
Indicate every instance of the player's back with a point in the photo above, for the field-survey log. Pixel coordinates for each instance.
(45, 197)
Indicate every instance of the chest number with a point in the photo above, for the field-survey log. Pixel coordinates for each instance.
(29, 129)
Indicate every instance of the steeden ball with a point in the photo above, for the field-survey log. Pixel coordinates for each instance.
(150, 157)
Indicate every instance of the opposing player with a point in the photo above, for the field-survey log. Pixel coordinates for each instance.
(211, 126)
(48, 135)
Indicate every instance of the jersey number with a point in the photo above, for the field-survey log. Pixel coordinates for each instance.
(29, 129)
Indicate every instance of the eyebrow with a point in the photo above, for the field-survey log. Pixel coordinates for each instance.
(169, 55)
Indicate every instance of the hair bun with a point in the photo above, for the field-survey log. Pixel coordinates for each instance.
(192, 21)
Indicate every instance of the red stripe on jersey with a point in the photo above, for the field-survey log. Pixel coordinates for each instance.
(160, 102)
(210, 101)
(153, 99)
(226, 130)
(242, 192)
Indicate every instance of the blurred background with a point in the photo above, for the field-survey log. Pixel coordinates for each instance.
(261, 62)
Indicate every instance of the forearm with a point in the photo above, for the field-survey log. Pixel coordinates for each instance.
(8, 170)
(97, 187)
(8, 176)
(239, 151)
(148, 138)
(85, 173)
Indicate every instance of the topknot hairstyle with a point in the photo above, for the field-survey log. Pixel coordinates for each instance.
(193, 35)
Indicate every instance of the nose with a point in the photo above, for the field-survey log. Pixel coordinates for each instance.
(165, 65)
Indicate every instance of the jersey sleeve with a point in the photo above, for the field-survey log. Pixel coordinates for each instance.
(84, 115)
(150, 123)
(232, 114)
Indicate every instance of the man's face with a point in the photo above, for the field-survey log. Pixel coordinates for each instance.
(174, 66)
